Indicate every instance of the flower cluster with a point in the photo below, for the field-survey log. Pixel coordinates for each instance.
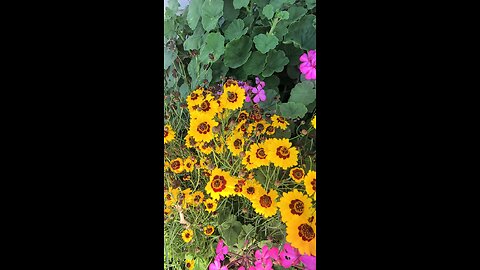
(258, 90)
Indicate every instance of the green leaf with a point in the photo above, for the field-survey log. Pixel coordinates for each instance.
(237, 52)
(235, 30)
(277, 4)
(168, 57)
(218, 70)
(184, 90)
(214, 44)
(311, 106)
(283, 15)
(229, 12)
(231, 234)
(276, 60)
(194, 41)
(303, 33)
(281, 30)
(303, 93)
(293, 110)
(192, 72)
(259, 30)
(311, 3)
(193, 13)
(293, 53)
(272, 82)
(265, 43)
(255, 63)
(169, 29)
(295, 13)
(268, 11)
(212, 10)
(238, 4)
(293, 72)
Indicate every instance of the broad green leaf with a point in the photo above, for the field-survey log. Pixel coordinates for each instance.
(169, 29)
(184, 90)
(283, 15)
(212, 10)
(168, 57)
(272, 82)
(255, 63)
(193, 70)
(311, 3)
(218, 69)
(293, 72)
(303, 33)
(229, 12)
(311, 106)
(281, 30)
(277, 4)
(276, 60)
(293, 53)
(295, 12)
(238, 74)
(293, 110)
(214, 45)
(268, 11)
(238, 4)
(237, 52)
(260, 30)
(265, 43)
(303, 93)
(235, 30)
(194, 41)
(193, 15)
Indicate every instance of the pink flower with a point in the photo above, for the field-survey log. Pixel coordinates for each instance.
(221, 251)
(263, 265)
(289, 256)
(310, 262)
(216, 265)
(309, 65)
(241, 268)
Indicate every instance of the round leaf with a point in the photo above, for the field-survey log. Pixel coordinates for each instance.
(237, 52)
(265, 43)
(235, 30)
(193, 14)
(276, 60)
(168, 57)
(238, 4)
(303, 33)
(212, 10)
(303, 93)
(293, 110)
(268, 11)
(229, 12)
(214, 45)
(255, 63)
(295, 12)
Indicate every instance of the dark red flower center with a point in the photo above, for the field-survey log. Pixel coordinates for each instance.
(296, 207)
(265, 201)
(306, 232)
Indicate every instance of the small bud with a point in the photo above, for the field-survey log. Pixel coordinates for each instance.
(304, 132)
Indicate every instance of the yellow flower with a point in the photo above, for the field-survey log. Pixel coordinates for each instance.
(171, 196)
(266, 204)
(297, 174)
(243, 115)
(247, 161)
(187, 197)
(208, 230)
(189, 264)
(177, 165)
(221, 183)
(198, 197)
(194, 99)
(233, 96)
(257, 128)
(187, 235)
(259, 155)
(189, 164)
(238, 187)
(201, 128)
(168, 134)
(235, 143)
(208, 107)
(301, 234)
(166, 212)
(252, 189)
(314, 122)
(279, 122)
(294, 205)
(269, 129)
(210, 205)
(205, 148)
(190, 141)
(166, 166)
(310, 182)
(281, 153)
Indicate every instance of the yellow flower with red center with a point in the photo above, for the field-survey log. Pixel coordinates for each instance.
(294, 205)
(190, 141)
(257, 128)
(205, 148)
(187, 235)
(210, 205)
(252, 189)
(166, 213)
(166, 166)
(176, 165)
(259, 155)
(168, 134)
(310, 182)
(269, 129)
(279, 122)
(242, 127)
(194, 99)
(238, 187)
(297, 174)
(201, 128)
(314, 122)
(266, 203)
(235, 143)
(233, 96)
(190, 264)
(281, 153)
(207, 107)
(220, 184)
(243, 115)
(301, 234)
(187, 197)
(247, 161)
(197, 198)
(171, 196)
(189, 164)
(208, 230)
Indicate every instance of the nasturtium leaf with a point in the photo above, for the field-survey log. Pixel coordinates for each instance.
(261, 3)
(276, 60)
(293, 110)
(237, 52)
(268, 11)
(295, 12)
(193, 13)
(303, 93)
(212, 10)
(265, 43)
(214, 45)
(168, 57)
(229, 11)
(302, 33)
(255, 63)
(235, 30)
(283, 15)
(238, 4)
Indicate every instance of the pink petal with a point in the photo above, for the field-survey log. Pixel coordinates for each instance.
(304, 58)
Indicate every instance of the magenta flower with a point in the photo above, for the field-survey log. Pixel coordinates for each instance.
(260, 95)
(263, 265)
(241, 268)
(216, 265)
(309, 262)
(289, 256)
(221, 251)
(309, 65)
